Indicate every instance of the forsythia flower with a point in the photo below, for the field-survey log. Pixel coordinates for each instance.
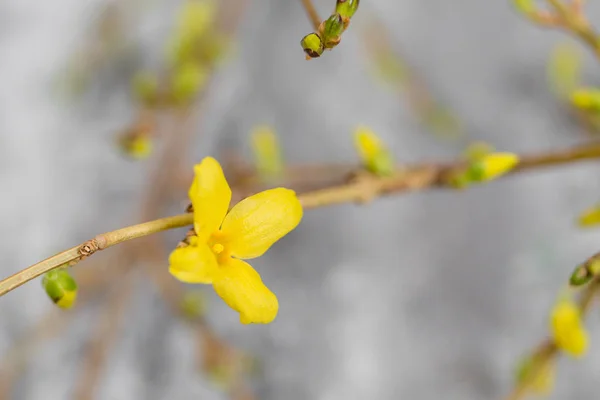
(590, 217)
(138, 146)
(214, 256)
(586, 99)
(373, 153)
(492, 166)
(567, 328)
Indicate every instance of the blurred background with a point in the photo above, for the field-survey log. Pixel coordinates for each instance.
(416, 296)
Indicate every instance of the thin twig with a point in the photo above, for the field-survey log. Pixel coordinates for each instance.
(408, 178)
(312, 13)
(547, 350)
(100, 242)
(571, 18)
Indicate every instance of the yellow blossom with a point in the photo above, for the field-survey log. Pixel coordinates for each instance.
(587, 99)
(223, 238)
(373, 153)
(567, 328)
(492, 166)
(138, 146)
(590, 217)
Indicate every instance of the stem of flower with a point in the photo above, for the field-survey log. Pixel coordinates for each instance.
(368, 187)
(313, 15)
(100, 242)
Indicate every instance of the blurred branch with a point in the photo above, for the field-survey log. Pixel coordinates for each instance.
(547, 349)
(105, 334)
(395, 69)
(312, 13)
(569, 17)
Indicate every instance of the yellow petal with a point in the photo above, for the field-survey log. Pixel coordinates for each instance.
(492, 166)
(577, 343)
(68, 299)
(567, 329)
(367, 143)
(256, 222)
(241, 287)
(210, 195)
(590, 217)
(193, 264)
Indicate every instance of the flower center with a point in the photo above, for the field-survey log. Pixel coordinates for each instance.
(218, 245)
(218, 248)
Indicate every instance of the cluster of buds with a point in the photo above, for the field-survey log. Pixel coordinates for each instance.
(329, 33)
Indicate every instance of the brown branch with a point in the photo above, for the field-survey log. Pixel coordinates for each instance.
(368, 187)
(86, 249)
(426, 176)
(571, 18)
(312, 13)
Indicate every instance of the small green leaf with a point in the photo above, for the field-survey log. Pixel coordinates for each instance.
(332, 30)
(346, 8)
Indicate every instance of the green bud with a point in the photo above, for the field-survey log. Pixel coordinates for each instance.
(346, 8)
(580, 276)
(312, 45)
(60, 287)
(382, 164)
(188, 80)
(525, 6)
(585, 272)
(332, 30)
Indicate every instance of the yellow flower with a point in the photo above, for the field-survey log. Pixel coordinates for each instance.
(138, 147)
(590, 217)
(214, 256)
(587, 99)
(492, 166)
(567, 328)
(373, 153)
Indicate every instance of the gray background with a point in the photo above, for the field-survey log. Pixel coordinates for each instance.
(424, 296)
